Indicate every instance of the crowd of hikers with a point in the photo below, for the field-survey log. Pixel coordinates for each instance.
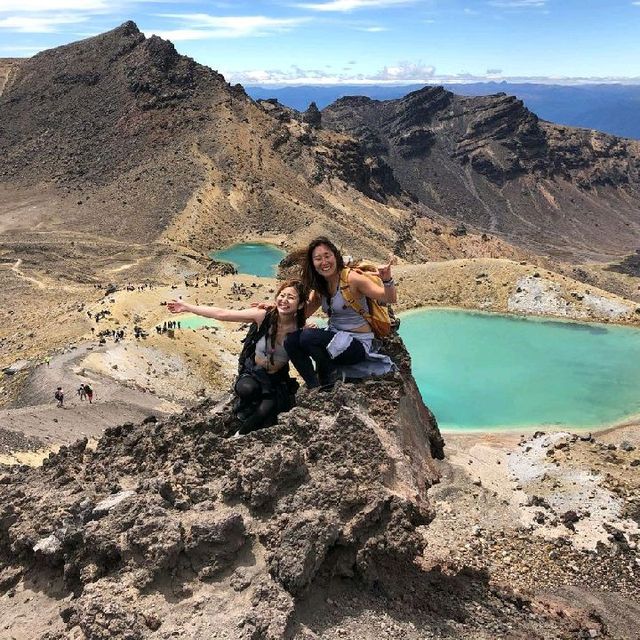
(354, 298)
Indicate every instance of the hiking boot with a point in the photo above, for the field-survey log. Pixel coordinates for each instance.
(327, 383)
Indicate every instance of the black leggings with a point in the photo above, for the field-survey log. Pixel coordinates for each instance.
(308, 345)
(250, 392)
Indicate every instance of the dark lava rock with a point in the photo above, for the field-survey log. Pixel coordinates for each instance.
(337, 488)
(569, 518)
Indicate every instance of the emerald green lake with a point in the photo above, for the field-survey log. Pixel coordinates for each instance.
(195, 322)
(256, 259)
(488, 372)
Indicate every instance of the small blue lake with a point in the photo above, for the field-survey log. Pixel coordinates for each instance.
(256, 259)
(191, 321)
(489, 372)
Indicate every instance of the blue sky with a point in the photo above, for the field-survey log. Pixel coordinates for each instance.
(358, 41)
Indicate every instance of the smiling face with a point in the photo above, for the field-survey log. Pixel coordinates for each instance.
(288, 301)
(324, 261)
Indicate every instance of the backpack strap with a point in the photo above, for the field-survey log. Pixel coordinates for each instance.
(255, 332)
(345, 289)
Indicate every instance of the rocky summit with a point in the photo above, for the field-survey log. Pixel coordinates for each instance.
(122, 138)
(172, 528)
(492, 163)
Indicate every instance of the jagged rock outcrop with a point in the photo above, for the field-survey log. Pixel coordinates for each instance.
(312, 116)
(177, 509)
(490, 162)
(334, 157)
(172, 529)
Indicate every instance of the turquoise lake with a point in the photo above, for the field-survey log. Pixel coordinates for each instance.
(189, 321)
(479, 371)
(256, 259)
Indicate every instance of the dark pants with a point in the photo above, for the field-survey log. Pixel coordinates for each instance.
(306, 344)
(256, 409)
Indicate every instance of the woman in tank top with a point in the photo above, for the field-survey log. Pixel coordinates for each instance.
(264, 387)
(346, 346)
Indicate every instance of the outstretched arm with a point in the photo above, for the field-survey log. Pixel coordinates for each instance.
(367, 287)
(218, 313)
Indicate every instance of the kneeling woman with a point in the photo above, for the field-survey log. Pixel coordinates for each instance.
(263, 388)
(346, 346)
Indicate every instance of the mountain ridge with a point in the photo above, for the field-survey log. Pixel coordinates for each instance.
(492, 163)
(609, 108)
(130, 140)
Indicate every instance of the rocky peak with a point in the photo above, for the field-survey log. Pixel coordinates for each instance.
(420, 107)
(484, 160)
(312, 116)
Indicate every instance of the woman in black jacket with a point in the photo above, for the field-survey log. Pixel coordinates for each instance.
(263, 387)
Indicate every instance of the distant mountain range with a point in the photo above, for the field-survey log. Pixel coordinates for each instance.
(612, 108)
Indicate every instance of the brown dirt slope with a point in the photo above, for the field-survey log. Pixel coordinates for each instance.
(492, 163)
(8, 67)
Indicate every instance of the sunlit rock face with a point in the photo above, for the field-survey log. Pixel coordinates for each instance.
(491, 162)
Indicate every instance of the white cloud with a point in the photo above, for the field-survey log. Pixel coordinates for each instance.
(518, 4)
(200, 26)
(352, 5)
(405, 71)
(372, 29)
(401, 73)
(39, 24)
(49, 6)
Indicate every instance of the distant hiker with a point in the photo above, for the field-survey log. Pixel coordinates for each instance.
(348, 297)
(88, 389)
(264, 387)
(59, 396)
(82, 394)
(48, 361)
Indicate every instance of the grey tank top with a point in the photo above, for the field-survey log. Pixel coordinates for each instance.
(343, 317)
(263, 353)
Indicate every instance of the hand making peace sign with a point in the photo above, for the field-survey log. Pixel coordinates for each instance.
(384, 271)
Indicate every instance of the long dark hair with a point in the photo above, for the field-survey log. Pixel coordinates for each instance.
(310, 277)
(301, 290)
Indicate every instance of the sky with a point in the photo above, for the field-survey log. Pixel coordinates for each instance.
(358, 41)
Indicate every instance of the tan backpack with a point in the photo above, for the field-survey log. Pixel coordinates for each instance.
(378, 316)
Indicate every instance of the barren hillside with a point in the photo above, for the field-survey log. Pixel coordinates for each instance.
(491, 163)
(123, 138)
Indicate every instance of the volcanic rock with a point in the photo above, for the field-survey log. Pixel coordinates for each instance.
(490, 162)
(122, 137)
(337, 488)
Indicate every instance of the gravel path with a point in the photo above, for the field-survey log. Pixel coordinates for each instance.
(35, 422)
